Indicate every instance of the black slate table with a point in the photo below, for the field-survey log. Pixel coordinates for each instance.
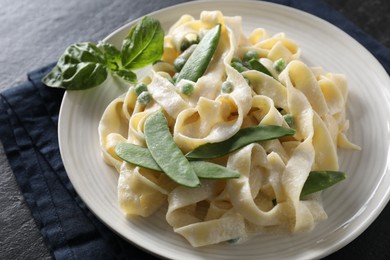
(35, 33)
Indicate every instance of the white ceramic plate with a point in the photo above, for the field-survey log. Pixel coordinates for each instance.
(351, 205)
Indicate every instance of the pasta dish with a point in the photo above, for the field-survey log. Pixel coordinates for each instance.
(213, 83)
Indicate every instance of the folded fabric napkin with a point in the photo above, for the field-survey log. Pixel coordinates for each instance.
(28, 120)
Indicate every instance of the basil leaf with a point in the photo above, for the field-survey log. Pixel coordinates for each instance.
(127, 75)
(243, 137)
(82, 66)
(320, 180)
(143, 45)
(142, 157)
(166, 153)
(112, 55)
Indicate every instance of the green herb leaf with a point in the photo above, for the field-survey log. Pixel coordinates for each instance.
(82, 66)
(243, 137)
(166, 153)
(142, 157)
(320, 180)
(126, 75)
(199, 60)
(112, 55)
(85, 65)
(143, 45)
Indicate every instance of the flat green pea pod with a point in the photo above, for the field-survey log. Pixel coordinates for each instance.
(199, 60)
(256, 65)
(136, 155)
(212, 171)
(243, 137)
(320, 180)
(166, 153)
(289, 120)
(142, 157)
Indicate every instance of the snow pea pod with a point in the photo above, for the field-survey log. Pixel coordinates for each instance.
(142, 157)
(199, 60)
(320, 180)
(243, 137)
(207, 170)
(256, 65)
(166, 153)
(137, 155)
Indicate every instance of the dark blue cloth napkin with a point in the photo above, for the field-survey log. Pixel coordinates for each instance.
(28, 131)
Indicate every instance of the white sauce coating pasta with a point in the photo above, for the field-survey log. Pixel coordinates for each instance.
(271, 171)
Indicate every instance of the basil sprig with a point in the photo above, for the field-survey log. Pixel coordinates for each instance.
(86, 65)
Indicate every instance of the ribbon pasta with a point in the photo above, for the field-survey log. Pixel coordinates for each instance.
(266, 197)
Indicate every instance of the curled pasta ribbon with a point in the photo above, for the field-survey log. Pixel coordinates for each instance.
(275, 47)
(215, 117)
(302, 78)
(140, 192)
(265, 85)
(193, 216)
(113, 128)
(246, 192)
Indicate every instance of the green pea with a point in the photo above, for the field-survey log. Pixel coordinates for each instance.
(243, 137)
(236, 59)
(247, 65)
(251, 54)
(279, 65)
(179, 63)
(139, 88)
(187, 89)
(227, 87)
(188, 40)
(144, 98)
(184, 44)
(166, 153)
(238, 66)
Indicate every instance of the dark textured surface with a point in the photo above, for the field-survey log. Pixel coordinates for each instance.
(35, 33)
(371, 16)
